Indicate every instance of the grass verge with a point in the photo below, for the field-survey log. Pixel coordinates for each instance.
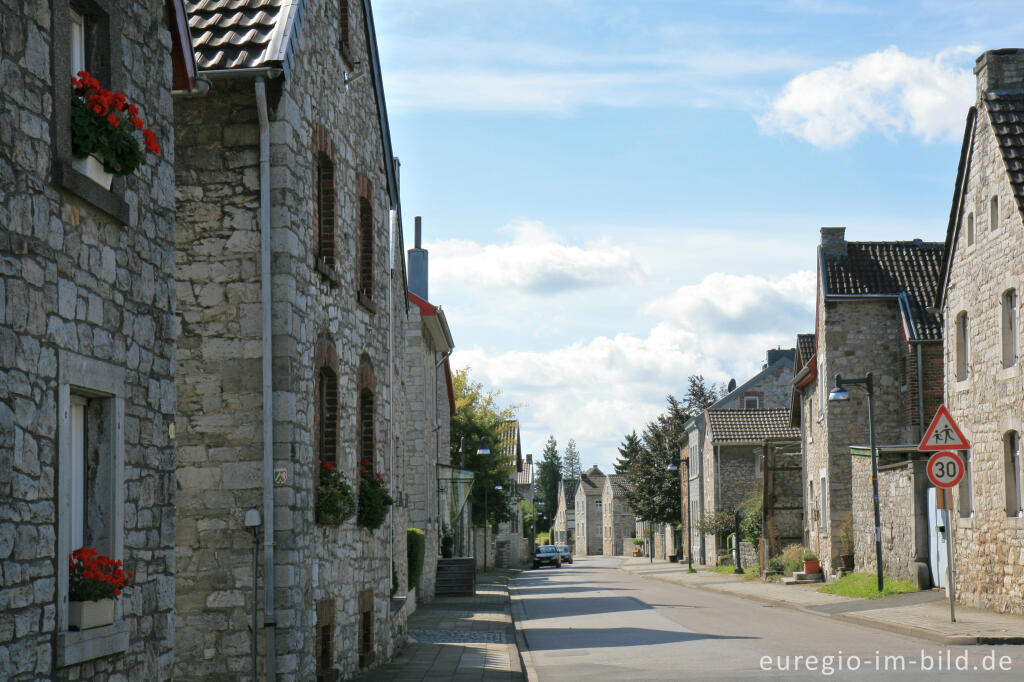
(731, 569)
(865, 586)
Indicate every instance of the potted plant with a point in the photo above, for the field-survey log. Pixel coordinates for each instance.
(103, 125)
(811, 562)
(447, 543)
(638, 547)
(374, 498)
(335, 499)
(94, 583)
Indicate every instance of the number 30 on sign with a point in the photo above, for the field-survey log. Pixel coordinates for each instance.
(945, 469)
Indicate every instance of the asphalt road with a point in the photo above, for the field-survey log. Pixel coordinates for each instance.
(590, 621)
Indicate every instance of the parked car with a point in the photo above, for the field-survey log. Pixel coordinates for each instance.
(564, 553)
(547, 555)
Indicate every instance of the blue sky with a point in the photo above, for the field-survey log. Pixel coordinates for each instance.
(618, 195)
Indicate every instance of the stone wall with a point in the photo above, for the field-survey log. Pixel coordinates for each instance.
(317, 319)
(990, 401)
(783, 497)
(617, 522)
(903, 508)
(589, 519)
(84, 297)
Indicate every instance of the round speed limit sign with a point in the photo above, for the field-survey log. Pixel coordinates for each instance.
(945, 469)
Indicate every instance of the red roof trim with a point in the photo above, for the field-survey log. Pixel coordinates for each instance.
(813, 365)
(426, 309)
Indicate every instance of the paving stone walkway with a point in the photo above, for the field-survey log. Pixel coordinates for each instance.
(459, 638)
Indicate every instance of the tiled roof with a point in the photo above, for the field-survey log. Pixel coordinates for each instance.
(509, 438)
(570, 485)
(890, 268)
(619, 484)
(805, 344)
(592, 478)
(229, 34)
(525, 477)
(750, 425)
(1006, 112)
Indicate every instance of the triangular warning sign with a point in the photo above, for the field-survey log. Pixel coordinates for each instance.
(943, 434)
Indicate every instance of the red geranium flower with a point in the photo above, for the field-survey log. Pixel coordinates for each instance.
(326, 466)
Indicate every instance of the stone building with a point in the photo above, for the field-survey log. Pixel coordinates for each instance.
(510, 549)
(431, 406)
(872, 300)
(768, 389)
(981, 281)
(734, 448)
(617, 520)
(588, 517)
(293, 307)
(565, 517)
(87, 341)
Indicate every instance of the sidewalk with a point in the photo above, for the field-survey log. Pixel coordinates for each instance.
(918, 614)
(460, 638)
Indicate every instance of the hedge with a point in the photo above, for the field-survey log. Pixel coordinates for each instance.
(416, 547)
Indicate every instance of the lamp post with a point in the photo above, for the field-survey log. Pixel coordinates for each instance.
(674, 466)
(839, 394)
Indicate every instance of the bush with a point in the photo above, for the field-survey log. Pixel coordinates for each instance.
(716, 523)
(809, 555)
(750, 524)
(374, 501)
(792, 558)
(335, 499)
(416, 550)
(776, 565)
(638, 542)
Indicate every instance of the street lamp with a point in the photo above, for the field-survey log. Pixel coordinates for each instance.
(839, 394)
(674, 466)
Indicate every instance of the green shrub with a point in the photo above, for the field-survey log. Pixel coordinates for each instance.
(416, 550)
(809, 555)
(750, 524)
(776, 565)
(716, 523)
(792, 558)
(374, 501)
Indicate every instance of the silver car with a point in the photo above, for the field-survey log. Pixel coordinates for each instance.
(564, 553)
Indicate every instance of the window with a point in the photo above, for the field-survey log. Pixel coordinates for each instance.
(757, 462)
(962, 346)
(77, 43)
(750, 402)
(344, 36)
(366, 444)
(324, 206)
(365, 250)
(993, 213)
(325, 671)
(824, 506)
(970, 229)
(1009, 327)
(90, 490)
(966, 486)
(327, 416)
(366, 648)
(1012, 474)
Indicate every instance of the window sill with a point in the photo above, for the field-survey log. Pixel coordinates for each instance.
(1015, 522)
(1006, 373)
(965, 521)
(366, 302)
(110, 202)
(327, 272)
(76, 646)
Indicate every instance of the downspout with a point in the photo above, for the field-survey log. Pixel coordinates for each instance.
(920, 394)
(269, 624)
(392, 220)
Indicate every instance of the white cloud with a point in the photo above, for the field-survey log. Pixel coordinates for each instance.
(887, 91)
(598, 390)
(535, 261)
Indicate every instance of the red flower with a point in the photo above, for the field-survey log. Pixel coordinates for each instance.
(327, 466)
(113, 120)
(120, 101)
(149, 138)
(137, 122)
(133, 110)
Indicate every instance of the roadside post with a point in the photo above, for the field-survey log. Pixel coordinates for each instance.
(945, 471)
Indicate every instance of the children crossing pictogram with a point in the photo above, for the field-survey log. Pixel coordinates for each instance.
(943, 434)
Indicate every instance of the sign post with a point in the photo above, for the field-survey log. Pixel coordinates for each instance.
(945, 471)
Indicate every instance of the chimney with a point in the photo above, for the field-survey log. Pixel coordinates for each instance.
(418, 264)
(529, 462)
(999, 70)
(833, 241)
(775, 354)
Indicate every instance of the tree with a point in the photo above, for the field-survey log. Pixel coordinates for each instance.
(654, 491)
(628, 452)
(548, 477)
(475, 427)
(700, 395)
(571, 461)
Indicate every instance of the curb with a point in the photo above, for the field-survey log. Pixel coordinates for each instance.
(898, 628)
(518, 615)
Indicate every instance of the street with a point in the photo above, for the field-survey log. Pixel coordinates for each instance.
(588, 620)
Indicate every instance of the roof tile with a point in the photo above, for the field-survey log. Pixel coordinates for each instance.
(751, 425)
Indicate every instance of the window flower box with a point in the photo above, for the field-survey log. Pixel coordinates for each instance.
(92, 168)
(83, 615)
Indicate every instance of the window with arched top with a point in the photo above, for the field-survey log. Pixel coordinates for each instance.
(365, 427)
(993, 213)
(970, 229)
(962, 340)
(324, 205)
(1008, 306)
(1013, 474)
(365, 249)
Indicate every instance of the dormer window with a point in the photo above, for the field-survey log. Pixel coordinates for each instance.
(750, 402)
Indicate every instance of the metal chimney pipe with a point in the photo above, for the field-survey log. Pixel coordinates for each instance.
(419, 231)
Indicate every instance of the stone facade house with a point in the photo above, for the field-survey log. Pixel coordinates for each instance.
(87, 341)
(768, 389)
(588, 516)
(734, 450)
(981, 281)
(431, 404)
(565, 516)
(508, 546)
(617, 520)
(293, 306)
(872, 300)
